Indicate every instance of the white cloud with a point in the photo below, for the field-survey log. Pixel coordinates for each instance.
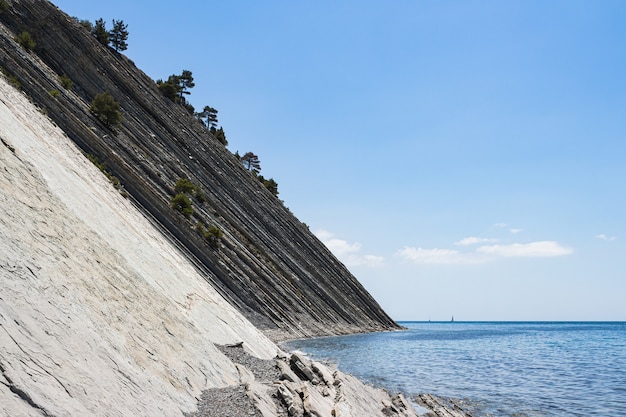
(436, 256)
(474, 240)
(511, 230)
(482, 254)
(532, 249)
(602, 236)
(347, 252)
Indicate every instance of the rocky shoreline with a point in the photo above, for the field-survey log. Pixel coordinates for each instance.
(291, 385)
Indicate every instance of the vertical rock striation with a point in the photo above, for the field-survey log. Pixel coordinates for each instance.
(269, 266)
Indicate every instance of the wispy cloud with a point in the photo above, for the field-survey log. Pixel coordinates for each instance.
(533, 249)
(483, 254)
(468, 241)
(348, 253)
(602, 236)
(437, 256)
(511, 229)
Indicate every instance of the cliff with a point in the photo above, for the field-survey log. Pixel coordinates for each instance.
(269, 266)
(101, 315)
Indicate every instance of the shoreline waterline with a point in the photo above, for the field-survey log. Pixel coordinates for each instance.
(547, 368)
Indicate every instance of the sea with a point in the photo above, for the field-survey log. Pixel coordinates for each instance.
(520, 369)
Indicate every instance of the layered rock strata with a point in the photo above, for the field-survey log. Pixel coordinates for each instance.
(100, 314)
(269, 265)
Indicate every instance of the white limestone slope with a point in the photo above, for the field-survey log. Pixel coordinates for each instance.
(99, 314)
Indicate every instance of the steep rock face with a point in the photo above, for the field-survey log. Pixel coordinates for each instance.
(98, 311)
(270, 267)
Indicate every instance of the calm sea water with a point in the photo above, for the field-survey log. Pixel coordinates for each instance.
(498, 369)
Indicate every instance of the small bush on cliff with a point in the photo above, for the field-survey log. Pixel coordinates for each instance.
(84, 23)
(213, 234)
(103, 168)
(12, 78)
(25, 40)
(182, 203)
(105, 108)
(184, 186)
(54, 93)
(270, 184)
(66, 82)
(4, 6)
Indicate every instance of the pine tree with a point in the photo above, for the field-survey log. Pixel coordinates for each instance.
(105, 108)
(185, 82)
(100, 32)
(119, 35)
(208, 117)
(220, 135)
(169, 88)
(251, 162)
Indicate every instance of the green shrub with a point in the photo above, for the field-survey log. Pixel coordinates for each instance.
(84, 23)
(4, 6)
(105, 108)
(54, 93)
(184, 186)
(182, 203)
(103, 168)
(25, 40)
(197, 192)
(66, 82)
(12, 79)
(16, 83)
(213, 234)
(94, 160)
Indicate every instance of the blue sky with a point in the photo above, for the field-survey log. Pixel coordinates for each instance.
(462, 158)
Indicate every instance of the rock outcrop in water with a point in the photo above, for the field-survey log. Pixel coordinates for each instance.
(269, 266)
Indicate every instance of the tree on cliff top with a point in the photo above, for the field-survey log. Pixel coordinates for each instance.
(100, 32)
(176, 87)
(119, 35)
(251, 162)
(208, 116)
